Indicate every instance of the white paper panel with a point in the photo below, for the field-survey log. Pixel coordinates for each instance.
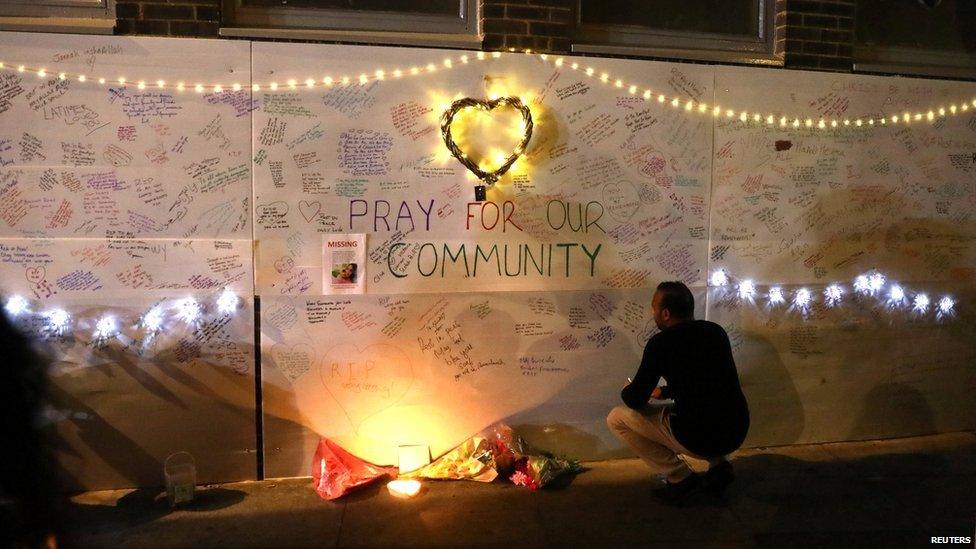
(328, 161)
(115, 201)
(812, 205)
(373, 372)
(370, 159)
(807, 208)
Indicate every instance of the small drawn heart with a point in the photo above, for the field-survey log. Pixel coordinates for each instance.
(35, 274)
(292, 360)
(653, 164)
(285, 264)
(489, 177)
(622, 200)
(365, 382)
(310, 210)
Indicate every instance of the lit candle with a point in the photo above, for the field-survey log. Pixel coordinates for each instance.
(403, 488)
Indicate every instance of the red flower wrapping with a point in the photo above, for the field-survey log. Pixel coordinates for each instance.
(335, 471)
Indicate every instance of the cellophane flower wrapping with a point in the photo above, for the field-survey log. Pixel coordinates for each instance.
(472, 460)
(517, 461)
(335, 471)
(506, 447)
(536, 471)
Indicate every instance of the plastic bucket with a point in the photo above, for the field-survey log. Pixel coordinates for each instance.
(181, 478)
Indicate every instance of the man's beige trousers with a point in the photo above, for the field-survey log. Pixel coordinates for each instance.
(648, 432)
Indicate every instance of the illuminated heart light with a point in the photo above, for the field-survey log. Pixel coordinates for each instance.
(17, 305)
(802, 298)
(153, 320)
(227, 302)
(106, 327)
(833, 294)
(479, 167)
(747, 289)
(188, 310)
(58, 320)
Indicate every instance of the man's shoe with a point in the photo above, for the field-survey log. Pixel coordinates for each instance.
(718, 478)
(674, 492)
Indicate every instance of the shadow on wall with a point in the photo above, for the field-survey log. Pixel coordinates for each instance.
(871, 344)
(105, 442)
(581, 432)
(569, 440)
(776, 414)
(289, 443)
(582, 404)
(578, 432)
(893, 410)
(120, 453)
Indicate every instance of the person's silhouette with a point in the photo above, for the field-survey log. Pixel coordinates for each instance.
(709, 417)
(29, 510)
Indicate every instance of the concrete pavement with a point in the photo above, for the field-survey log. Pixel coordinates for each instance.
(886, 493)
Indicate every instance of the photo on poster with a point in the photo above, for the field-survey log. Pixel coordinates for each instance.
(344, 259)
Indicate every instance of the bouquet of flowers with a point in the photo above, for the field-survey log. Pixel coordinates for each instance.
(472, 460)
(506, 447)
(539, 470)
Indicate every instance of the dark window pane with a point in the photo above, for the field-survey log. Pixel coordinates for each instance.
(427, 7)
(735, 17)
(950, 25)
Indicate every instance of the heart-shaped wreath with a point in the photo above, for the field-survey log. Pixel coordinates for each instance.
(489, 177)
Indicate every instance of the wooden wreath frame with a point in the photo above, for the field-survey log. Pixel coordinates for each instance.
(488, 177)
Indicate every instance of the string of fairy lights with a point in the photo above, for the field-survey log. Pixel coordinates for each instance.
(929, 114)
(782, 120)
(187, 310)
(309, 82)
(871, 284)
(191, 312)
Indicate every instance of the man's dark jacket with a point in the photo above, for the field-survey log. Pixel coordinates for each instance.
(710, 416)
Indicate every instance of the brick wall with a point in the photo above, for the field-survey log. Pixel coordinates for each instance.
(196, 18)
(540, 25)
(810, 34)
(818, 34)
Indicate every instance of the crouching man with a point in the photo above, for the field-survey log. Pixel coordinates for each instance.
(709, 418)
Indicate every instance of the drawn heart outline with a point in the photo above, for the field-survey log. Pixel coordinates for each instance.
(489, 177)
(285, 264)
(304, 206)
(35, 274)
(394, 368)
(300, 355)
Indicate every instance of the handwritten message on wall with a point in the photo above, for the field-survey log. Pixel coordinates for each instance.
(117, 205)
(617, 193)
(531, 307)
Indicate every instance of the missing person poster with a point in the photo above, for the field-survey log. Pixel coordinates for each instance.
(344, 262)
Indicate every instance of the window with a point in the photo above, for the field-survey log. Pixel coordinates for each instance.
(717, 30)
(81, 16)
(452, 23)
(926, 37)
